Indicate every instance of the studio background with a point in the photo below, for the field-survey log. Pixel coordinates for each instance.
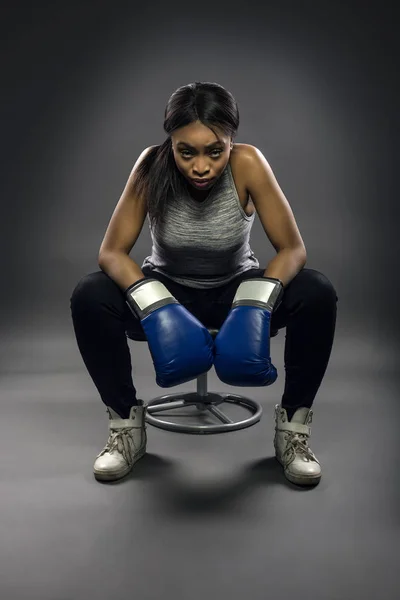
(84, 87)
(86, 90)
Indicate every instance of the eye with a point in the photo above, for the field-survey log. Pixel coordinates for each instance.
(187, 153)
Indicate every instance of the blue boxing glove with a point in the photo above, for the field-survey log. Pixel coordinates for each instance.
(242, 345)
(180, 346)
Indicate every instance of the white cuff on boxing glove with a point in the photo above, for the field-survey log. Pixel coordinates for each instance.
(264, 292)
(146, 296)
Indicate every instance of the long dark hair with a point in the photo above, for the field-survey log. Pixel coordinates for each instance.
(157, 174)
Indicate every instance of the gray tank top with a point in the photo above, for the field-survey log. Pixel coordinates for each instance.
(203, 244)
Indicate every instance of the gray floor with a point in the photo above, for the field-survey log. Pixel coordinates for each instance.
(200, 516)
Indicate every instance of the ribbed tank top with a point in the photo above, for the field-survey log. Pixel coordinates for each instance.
(203, 244)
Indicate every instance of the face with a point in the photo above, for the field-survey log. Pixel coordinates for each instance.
(199, 154)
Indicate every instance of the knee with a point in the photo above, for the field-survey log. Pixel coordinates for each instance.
(317, 287)
(88, 290)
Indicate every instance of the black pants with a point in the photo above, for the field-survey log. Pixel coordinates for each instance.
(102, 321)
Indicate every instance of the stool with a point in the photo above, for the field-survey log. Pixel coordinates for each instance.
(206, 403)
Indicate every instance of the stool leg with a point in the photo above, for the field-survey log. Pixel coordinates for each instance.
(202, 392)
(202, 385)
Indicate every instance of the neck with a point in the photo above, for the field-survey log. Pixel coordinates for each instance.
(197, 195)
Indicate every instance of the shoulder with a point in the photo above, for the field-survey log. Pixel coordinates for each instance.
(245, 154)
(245, 160)
(150, 149)
(145, 153)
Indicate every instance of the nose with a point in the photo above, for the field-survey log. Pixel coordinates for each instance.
(200, 175)
(200, 170)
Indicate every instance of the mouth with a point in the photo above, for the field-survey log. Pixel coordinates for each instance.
(202, 183)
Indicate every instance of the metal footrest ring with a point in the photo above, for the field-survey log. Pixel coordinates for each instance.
(204, 405)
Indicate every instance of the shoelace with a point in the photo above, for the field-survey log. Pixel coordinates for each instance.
(118, 440)
(297, 442)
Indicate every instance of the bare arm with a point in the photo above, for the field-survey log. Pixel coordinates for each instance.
(122, 233)
(122, 269)
(276, 217)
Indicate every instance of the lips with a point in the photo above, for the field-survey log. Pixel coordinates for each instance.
(201, 180)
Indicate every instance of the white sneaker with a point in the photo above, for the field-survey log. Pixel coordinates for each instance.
(291, 446)
(126, 444)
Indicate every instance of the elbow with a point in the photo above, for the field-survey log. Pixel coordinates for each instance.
(101, 260)
(301, 252)
(111, 257)
(105, 257)
(298, 254)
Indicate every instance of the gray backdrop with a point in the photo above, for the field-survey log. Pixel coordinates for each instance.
(84, 87)
(85, 92)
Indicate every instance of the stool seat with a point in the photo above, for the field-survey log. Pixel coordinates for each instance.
(205, 404)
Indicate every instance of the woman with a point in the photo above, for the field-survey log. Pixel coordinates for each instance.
(201, 192)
